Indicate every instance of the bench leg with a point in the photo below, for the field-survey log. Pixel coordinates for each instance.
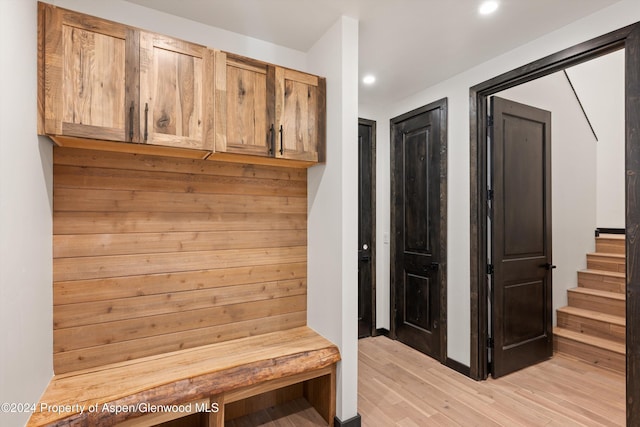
(321, 394)
(216, 419)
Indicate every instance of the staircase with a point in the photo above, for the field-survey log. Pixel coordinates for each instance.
(592, 326)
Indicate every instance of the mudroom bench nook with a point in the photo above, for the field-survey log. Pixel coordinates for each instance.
(152, 390)
(179, 229)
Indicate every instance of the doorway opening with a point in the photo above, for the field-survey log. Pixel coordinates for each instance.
(586, 172)
(366, 228)
(629, 39)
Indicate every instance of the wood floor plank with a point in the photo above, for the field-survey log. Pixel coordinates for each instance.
(558, 392)
(542, 395)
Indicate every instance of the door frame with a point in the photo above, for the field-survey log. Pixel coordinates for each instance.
(372, 124)
(629, 39)
(441, 104)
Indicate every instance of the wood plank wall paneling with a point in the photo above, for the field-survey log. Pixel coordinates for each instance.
(155, 254)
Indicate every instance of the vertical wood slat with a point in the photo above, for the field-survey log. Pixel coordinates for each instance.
(207, 268)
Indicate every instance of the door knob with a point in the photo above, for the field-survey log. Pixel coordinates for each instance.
(364, 253)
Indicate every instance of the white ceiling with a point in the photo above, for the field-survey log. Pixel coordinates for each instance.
(408, 44)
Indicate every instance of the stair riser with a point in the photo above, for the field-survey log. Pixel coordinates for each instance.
(590, 354)
(610, 246)
(592, 327)
(603, 283)
(597, 303)
(596, 262)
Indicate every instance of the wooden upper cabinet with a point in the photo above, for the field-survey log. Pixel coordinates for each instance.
(176, 92)
(244, 117)
(107, 81)
(300, 115)
(268, 111)
(100, 82)
(88, 86)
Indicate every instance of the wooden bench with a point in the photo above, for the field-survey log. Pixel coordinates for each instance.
(155, 389)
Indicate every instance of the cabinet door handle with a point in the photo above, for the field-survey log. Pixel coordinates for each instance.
(146, 121)
(131, 110)
(272, 137)
(281, 142)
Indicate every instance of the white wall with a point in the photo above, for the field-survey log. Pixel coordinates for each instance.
(600, 84)
(456, 89)
(26, 342)
(573, 178)
(333, 210)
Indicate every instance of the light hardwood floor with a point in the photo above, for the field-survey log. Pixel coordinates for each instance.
(399, 386)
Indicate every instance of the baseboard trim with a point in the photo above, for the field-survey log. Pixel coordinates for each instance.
(381, 331)
(458, 367)
(351, 422)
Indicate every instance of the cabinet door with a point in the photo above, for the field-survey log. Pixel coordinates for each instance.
(176, 92)
(300, 112)
(244, 117)
(89, 90)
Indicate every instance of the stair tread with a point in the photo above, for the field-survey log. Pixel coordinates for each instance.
(607, 254)
(611, 236)
(598, 292)
(603, 273)
(590, 314)
(590, 340)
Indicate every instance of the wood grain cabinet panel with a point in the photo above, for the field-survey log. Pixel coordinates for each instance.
(87, 85)
(268, 111)
(176, 96)
(244, 105)
(106, 81)
(300, 115)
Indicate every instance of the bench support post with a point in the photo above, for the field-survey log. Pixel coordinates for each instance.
(320, 392)
(216, 419)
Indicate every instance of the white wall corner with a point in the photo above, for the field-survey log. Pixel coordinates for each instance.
(26, 301)
(333, 222)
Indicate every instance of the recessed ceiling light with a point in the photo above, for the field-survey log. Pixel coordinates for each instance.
(488, 7)
(369, 79)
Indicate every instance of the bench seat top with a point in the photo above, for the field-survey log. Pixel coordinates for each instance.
(180, 377)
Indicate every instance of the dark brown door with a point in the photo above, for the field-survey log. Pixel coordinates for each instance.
(417, 174)
(521, 236)
(366, 215)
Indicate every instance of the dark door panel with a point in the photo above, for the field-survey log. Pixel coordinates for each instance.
(418, 176)
(366, 219)
(521, 224)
